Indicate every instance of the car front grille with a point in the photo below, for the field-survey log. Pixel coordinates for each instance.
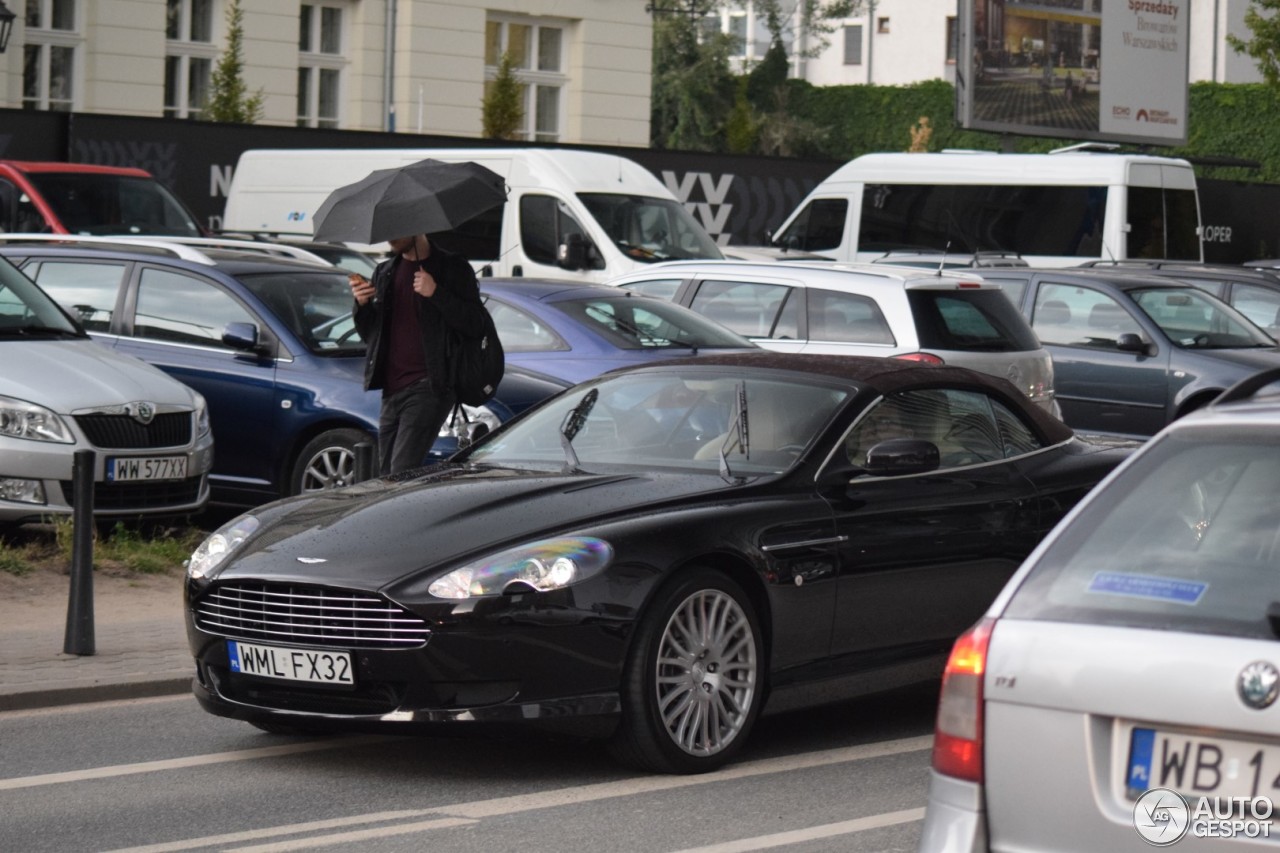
(309, 615)
(139, 495)
(122, 432)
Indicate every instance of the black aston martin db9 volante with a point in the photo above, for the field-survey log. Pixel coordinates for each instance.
(653, 557)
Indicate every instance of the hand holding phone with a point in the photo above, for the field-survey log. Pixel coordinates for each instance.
(361, 288)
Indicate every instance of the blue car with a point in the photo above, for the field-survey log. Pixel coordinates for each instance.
(576, 331)
(267, 341)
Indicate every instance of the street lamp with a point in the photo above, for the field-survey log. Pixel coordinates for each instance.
(6, 25)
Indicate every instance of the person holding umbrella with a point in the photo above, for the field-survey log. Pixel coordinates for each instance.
(418, 298)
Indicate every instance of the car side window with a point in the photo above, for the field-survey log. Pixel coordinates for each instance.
(520, 331)
(1013, 288)
(752, 309)
(545, 223)
(1069, 315)
(846, 318)
(177, 307)
(87, 290)
(1259, 304)
(660, 288)
(819, 227)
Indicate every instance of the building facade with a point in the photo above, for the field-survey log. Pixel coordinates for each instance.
(418, 66)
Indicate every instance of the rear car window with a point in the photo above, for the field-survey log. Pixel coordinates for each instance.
(1187, 539)
(970, 320)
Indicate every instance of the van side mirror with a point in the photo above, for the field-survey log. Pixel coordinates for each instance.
(572, 253)
(1131, 342)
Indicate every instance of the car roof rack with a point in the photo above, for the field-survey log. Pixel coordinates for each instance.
(172, 248)
(256, 247)
(1248, 387)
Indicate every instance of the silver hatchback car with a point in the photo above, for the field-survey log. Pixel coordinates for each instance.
(1121, 691)
(62, 392)
(942, 317)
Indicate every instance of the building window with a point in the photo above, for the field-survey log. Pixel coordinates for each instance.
(882, 26)
(537, 53)
(189, 54)
(49, 55)
(953, 36)
(320, 64)
(853, 44)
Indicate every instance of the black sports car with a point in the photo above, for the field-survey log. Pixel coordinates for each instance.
(653, 556)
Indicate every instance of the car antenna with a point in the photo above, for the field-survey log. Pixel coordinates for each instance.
(574, 420)
(942, 262)
(737, 431)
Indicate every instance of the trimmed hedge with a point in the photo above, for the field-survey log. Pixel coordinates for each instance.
(1234, 120)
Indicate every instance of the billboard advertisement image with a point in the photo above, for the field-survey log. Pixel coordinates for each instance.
(1113, 70)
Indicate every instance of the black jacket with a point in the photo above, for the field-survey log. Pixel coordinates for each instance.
(455, 307)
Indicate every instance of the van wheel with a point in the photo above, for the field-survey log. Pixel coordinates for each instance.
(327, 462)
(694, 680)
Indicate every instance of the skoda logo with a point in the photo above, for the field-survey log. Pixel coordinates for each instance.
(1259, 684)
(141, 412)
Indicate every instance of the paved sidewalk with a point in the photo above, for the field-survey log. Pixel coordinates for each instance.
(139, 642)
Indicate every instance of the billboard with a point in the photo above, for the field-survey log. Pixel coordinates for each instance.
(1112, 70)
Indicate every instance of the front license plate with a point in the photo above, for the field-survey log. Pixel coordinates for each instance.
(1201, 766)
(311, 665)
(123, 469)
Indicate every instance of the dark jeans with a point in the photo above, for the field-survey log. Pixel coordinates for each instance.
(409, 424)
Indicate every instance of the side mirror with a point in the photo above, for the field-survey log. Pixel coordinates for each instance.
(470, 433)
(242, 336)
(572, 253)
(1131, 342)
(899, 456)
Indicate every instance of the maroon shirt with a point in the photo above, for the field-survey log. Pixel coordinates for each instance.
(406, 363)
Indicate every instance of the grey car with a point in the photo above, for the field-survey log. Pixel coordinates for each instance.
(1120, 692)
(61, 392)
(1131, 350)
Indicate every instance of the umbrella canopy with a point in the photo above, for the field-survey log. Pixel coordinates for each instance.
(421, 198)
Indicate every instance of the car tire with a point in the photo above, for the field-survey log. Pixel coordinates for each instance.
(693, 683)
(327, 461)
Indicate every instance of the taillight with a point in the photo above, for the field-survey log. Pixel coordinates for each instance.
(957, 741)
(923, 357)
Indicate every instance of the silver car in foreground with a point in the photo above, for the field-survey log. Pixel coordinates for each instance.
(1120, 693)
(61, 391)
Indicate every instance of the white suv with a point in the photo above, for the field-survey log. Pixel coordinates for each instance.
(944, 317)
(61, 391)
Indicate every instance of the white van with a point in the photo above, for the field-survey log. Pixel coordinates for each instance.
(1056, 209)
(569, 214)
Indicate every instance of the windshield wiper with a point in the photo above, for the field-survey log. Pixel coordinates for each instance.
(574, 420)
(738, 432)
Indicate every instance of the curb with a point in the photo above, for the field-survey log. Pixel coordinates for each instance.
(79, 694)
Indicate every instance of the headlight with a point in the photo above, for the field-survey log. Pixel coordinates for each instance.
(539, 566)
(20, 419)
(202, 415)
(219, 545)
(452, 426)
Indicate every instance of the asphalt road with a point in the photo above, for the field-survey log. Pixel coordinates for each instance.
(161, 775)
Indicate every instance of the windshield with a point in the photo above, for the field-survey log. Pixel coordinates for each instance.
(650, 229)
(88, 203)
(1185, 540)
(25, 308)
(650, 420)
(316, 306)
(637, 322)
(1195, 320)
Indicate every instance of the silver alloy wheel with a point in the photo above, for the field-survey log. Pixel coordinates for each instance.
(332, 467)
(706, 672)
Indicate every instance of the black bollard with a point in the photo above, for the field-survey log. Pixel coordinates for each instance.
(364, 461)
(79, 638)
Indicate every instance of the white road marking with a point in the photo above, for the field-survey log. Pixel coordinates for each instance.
(812, 833)
(503, 806)
(348, 837)
(114, 770)
(291, 829)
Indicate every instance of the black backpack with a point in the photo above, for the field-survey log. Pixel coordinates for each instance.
(476, 365)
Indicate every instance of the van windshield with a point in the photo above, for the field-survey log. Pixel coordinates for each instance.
(88, 203)
(649, 229)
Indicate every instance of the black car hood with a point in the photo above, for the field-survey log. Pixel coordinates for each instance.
(374, 534)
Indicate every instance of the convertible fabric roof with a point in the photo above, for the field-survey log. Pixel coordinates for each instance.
(885, 376)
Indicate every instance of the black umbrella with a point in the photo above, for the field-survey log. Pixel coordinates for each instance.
(421, 198)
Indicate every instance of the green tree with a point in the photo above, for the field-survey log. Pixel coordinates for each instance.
(693, 86)
(1264, 47)
(805, 25)
(229, 98)
(503, 106)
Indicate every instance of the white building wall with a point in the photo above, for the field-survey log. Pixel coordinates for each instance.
(913, 49)
(438, 62)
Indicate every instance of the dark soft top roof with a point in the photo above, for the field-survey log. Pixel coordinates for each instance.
(884, 376)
